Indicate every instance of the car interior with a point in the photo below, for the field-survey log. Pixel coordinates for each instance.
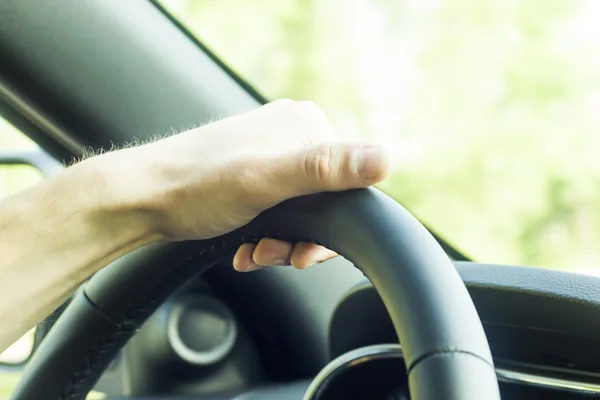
(402, 315)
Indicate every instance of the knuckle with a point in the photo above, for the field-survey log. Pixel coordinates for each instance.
(319, 164)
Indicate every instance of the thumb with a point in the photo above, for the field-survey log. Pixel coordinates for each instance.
(330, 167)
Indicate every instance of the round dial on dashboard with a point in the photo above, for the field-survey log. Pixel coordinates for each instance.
(201, 330)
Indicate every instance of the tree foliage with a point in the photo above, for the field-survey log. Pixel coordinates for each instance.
(491, 107)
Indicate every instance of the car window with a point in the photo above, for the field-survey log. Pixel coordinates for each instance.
(14, 178)
(489, 107)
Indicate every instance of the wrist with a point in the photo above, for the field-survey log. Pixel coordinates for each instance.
(116, 201)
(56, 234)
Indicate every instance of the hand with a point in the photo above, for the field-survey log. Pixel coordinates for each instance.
(214, 179)
(195, 185)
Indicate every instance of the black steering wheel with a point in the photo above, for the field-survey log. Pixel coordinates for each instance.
(445, 349)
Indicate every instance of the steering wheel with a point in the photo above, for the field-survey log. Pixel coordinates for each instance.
(445, 348)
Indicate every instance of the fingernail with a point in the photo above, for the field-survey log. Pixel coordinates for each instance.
(276, 263)
(369, 162)
(251, 267)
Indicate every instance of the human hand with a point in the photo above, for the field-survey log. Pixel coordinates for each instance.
(213, 179)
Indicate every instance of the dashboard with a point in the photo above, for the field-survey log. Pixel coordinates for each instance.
(543, 327)
(378, 372)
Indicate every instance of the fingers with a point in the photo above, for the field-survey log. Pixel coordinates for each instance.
(306, 157)
(242, 261)
(310, 160)
(306, 254)
(342, 166)
(327, 167)
(271, 252)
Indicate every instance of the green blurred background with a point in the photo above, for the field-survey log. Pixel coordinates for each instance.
(490, 108)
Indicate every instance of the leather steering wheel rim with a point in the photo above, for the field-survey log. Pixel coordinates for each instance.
(445, 348)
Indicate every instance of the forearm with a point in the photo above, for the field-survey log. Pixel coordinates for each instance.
(54, 236)
(196, 185)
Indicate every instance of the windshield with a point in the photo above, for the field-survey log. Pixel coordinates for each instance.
(491, 108)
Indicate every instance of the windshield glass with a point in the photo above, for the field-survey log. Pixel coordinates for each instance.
(491, 108)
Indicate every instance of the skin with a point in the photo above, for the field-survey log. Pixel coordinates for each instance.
(196, 185)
